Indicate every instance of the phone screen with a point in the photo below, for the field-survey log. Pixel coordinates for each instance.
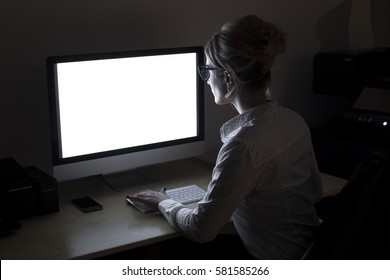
(86, 204)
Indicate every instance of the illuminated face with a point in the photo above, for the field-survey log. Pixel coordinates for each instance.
(217, 84)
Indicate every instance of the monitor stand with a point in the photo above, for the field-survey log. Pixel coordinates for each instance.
(124, 181)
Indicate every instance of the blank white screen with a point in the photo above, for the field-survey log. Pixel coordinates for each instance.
(125, 102)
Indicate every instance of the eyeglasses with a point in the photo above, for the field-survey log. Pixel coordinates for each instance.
(204, 71)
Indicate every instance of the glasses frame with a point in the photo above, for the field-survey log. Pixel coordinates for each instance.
(204, 71)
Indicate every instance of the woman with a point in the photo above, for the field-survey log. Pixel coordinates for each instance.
(266, 178)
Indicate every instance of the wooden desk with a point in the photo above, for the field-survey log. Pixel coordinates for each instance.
(71, 234)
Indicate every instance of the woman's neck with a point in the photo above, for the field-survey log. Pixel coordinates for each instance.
(247, 100)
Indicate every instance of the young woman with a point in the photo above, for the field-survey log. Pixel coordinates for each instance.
(266, 178)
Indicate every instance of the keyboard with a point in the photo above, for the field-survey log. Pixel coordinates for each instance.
(187, 194)
(184, 195)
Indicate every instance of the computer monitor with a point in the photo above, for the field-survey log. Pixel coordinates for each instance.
(112, 113)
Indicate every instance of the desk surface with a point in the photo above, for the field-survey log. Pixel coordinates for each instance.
(71, 234)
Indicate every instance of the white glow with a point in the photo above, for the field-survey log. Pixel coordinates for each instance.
(118, 103)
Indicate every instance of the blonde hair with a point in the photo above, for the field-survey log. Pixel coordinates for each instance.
(246, 48)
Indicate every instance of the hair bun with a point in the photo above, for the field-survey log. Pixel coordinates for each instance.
(247, 48)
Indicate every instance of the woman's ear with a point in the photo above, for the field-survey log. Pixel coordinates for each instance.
(227, 77)
(229, 80)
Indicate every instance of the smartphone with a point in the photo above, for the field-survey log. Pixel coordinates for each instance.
(86, 204)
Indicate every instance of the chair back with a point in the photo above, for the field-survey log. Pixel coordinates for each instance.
(357, 224)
